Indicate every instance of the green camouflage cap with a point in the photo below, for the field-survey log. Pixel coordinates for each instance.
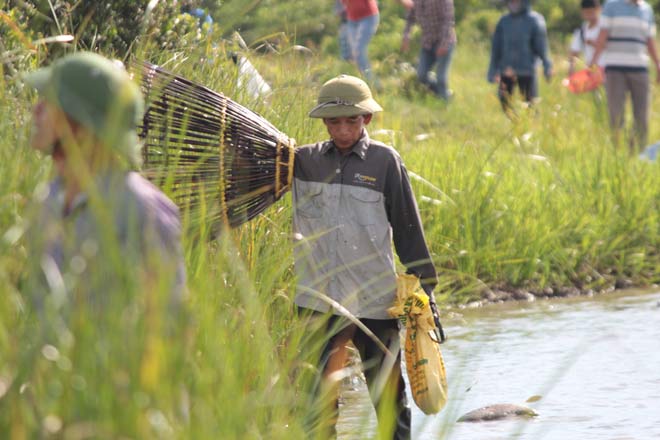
(98, 94)
(344, 96)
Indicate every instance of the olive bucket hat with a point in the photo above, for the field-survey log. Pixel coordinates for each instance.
(344, 96)
(98, 94)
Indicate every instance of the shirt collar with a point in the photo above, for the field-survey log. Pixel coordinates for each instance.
(360, 148)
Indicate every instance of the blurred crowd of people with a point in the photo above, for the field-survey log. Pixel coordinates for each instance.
(615, 41)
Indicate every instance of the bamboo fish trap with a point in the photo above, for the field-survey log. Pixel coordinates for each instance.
(221, 162)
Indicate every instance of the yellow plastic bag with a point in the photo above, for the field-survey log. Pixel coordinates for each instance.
(424, 364)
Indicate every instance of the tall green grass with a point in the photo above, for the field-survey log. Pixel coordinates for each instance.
(545, 202)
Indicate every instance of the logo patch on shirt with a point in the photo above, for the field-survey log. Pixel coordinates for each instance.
(366, 180)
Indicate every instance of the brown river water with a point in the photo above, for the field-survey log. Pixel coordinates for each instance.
(594, 363)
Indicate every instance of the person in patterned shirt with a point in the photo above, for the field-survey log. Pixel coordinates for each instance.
(436, 18)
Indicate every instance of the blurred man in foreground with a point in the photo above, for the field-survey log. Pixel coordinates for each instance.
(101, 230)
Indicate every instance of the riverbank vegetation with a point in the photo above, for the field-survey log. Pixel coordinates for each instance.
(542, 205)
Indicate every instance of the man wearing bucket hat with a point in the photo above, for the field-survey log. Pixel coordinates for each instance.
(352, 199)
(99, 227)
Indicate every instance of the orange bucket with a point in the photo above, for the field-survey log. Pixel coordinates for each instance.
(585, 80)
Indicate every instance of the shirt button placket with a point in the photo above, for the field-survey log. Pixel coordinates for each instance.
(336, 215)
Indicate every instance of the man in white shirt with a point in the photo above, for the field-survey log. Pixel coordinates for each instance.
(584, 38)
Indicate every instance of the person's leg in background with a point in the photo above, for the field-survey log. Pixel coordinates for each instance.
(600, 105)
(505, 91)
(365, 29)
(638, 84)
(328, 335)
(344, 41)
(352, 36)
(442, 74)
(615, 89)
(534, 86)
(528, 88)
(385, 379)
(426, 60)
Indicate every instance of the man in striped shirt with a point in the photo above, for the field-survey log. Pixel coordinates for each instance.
(626, 40)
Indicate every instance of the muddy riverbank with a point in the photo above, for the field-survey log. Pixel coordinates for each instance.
(504, 294)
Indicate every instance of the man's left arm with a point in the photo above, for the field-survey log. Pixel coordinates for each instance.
(599, 47)
(407, 230)
(540, 46)
(410, 22)
(162, 250)
(653, 52)
(651, 45)
(445, 26)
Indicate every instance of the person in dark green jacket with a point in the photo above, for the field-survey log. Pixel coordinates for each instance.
(520, 40)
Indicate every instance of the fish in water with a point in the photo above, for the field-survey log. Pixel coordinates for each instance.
(497, 412)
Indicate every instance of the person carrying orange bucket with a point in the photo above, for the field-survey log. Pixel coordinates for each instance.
(583, 43)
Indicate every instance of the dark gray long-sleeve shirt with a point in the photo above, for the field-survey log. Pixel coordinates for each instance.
(348, 210)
